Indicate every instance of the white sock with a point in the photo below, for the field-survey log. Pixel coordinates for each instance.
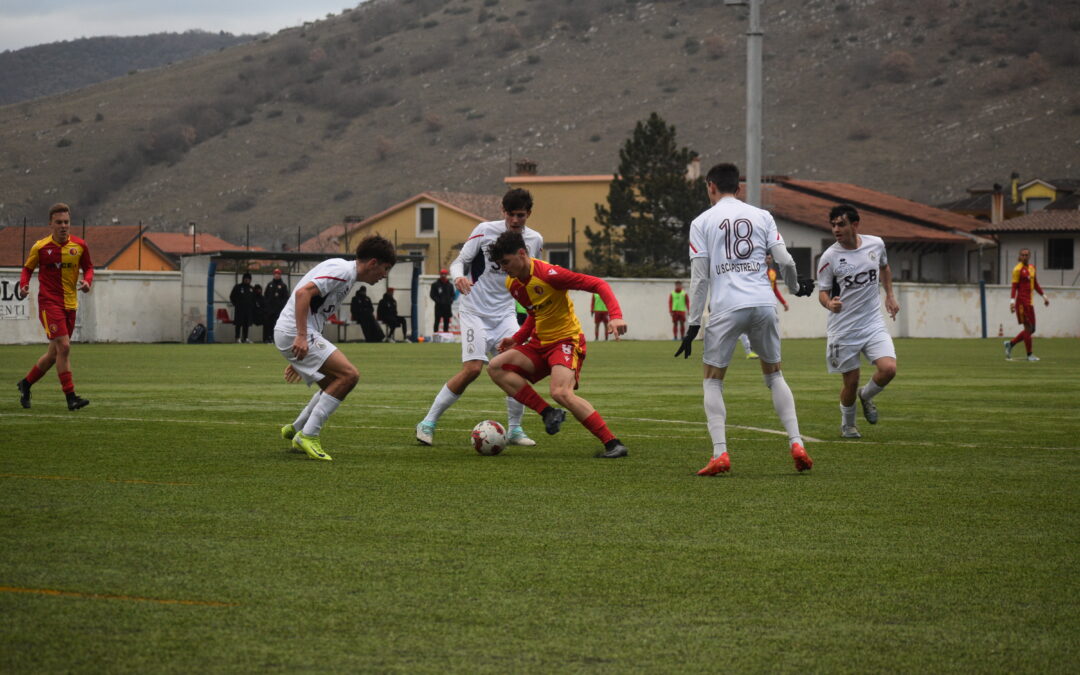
(326, 406)
(745, 340)
(870, 390)
(716, 414)
(443, 400)
(515, 410)
(306, 412)
(847, 415)
(784, 403)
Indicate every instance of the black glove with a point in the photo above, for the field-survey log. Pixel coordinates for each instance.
(687, 341)
(806, 287)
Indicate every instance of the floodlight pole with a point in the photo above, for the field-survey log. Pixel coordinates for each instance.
(754, 37)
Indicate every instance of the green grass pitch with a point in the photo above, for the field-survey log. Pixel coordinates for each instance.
(166, 528)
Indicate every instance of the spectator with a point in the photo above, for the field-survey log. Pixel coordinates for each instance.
(258, 311)
(387, 313)
(242, 298)
(275, 295)
(363, 313)
(442, 294)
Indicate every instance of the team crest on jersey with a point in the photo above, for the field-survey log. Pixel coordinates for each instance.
(844, 268)
(873, 255)
(73, 251)
(539, 290)
(550, 272)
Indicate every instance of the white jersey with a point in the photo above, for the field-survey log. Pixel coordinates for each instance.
(854, 275)
(334, 279)
(734, 237)
(488, 296)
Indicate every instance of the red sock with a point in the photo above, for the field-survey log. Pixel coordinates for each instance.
(65, 382)
(1027, 341)
(528, 396)
(34, 375)
(596, 424)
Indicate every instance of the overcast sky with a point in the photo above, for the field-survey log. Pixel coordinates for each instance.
(24, 23)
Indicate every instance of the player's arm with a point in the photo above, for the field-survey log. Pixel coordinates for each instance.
(28, 271)
(469, 251)
(87, 267)
(825, 281)
(302, 308)
(564, 279)
(1039, 290)
(670, 301)
(699, 292)
(1015, 287)
(521, 336)
(891, 306)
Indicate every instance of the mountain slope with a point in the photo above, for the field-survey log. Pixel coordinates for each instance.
(349, 115)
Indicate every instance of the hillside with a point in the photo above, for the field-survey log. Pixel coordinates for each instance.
(351, 114)
(57, 67)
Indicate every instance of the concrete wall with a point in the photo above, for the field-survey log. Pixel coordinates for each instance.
(122, 306)
(163, 306)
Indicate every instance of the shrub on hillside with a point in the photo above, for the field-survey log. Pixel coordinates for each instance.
(898, 66)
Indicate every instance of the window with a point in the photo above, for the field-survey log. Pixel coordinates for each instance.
(425, 220)
(1059, 254)
(803, 261)
(1034, 204)
(560, 258)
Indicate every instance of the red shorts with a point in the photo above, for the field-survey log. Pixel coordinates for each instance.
(569, 353)
(600, 317)
(678, 317)
(1025, 314)
(56, 319)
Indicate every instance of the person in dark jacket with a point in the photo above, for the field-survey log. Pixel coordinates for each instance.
(442, 294)
(275, 295)
(363, 313)
(242, 298)
(387, 314)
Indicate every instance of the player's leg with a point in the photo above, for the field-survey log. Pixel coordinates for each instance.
(473, 359)
(721, 336)
(339, 378)
(562, 385)
(61, 343)
(512, 371)
(1029, 329)
(747, 349)
(764, 335)
(849, 388)
(515, 409)
(880, 352)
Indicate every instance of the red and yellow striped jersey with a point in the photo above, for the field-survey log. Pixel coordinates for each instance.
(58, 270)
(551, 311)
(1023, 282)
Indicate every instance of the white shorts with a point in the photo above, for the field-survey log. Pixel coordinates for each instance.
(319, 349)
(844, 358)
(760, 324)
(480, 335)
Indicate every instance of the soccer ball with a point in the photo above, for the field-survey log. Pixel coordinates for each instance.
(489, 437)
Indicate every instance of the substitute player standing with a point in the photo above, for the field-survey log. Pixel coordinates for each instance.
(728, 244)
(551, 341)
(485, 312)
(312, 358)
(60, 258)
(849, 275)
(1023, 282)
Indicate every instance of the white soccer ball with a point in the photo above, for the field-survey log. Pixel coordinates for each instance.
(489, 437)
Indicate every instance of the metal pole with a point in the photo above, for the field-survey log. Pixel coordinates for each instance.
(140, 245)
(573, 244)
(982, 304)
(753, 105)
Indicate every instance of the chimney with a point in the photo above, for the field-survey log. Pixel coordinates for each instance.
(525, 167)
(1015, 178)
(997, 205)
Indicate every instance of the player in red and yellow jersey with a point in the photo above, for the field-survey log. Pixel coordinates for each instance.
(64, 267)
(550, 342)
(772, 281)
(1023, 283)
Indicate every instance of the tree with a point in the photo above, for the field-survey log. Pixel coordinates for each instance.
(645, 227)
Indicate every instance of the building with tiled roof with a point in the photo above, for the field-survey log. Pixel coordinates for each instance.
(925, 243)
(115, 247)
(1053, 237)
(430, 225)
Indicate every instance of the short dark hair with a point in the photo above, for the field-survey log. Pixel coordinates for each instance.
(516, 200)
(58, 207)
(508, 243)
(725, 177)
(844, 210)
(374, 246)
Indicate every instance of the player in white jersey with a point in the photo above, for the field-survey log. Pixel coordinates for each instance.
(486, 312)
(312, 358)
(728, 244)
(850, 273)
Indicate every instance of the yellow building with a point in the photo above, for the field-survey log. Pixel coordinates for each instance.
(562, 207)
(433, 226)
